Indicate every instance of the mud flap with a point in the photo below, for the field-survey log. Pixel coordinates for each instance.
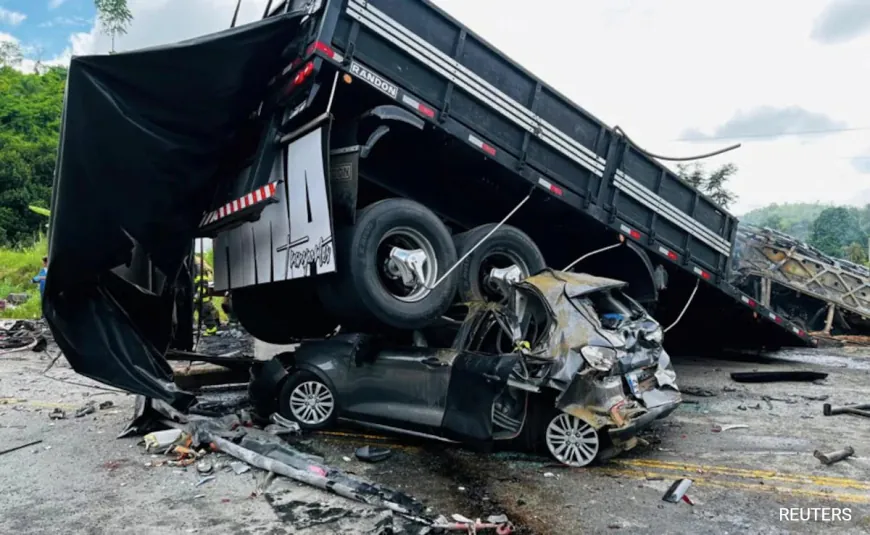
(293, 237)
(476, 380)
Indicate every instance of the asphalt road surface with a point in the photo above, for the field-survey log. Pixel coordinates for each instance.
(757, 479)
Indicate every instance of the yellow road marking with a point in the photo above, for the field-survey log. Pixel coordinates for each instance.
(732, 485)
(646, 468)
(352, 435)
(36, 403)
(382, 441)
(823, 481)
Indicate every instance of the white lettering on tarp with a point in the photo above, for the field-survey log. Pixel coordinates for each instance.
(309, 244)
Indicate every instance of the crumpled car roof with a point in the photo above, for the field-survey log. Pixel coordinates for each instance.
(553, 283)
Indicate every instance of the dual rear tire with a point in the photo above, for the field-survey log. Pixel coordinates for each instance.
(391, 263)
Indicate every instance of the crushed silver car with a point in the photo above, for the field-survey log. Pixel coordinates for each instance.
(592, 357)
(567, 364)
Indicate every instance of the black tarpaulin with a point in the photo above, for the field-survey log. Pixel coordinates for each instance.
(142, 138)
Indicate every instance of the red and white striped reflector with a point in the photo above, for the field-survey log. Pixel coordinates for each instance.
(630, 231)
(670, 254)
(326, 50)
(419, 106)
(748, 301)
(797, 331)
(489, 149)
(257, 196)
(549, 186)
(703, 274)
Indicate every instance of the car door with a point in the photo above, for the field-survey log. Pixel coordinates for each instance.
(403, 387)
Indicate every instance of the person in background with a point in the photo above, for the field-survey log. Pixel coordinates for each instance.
(40, 277)
(204, 304)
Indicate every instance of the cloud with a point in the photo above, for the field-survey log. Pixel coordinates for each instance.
(12, 18)
(54, 4)
(841, 21)
(861, 163)
(157, 22)
(768, 121)
(66, 21)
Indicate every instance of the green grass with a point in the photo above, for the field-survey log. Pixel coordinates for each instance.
(17, 268)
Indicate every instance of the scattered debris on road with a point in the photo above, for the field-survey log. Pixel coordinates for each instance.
(834, 456)
(23, 335)
(777, 376)
(698, 391)
(239, 468)
(372, 454)
(722, 428)
(499, 523)
(163, 439)
(88, 408)
(57, 414)
(859, 410)
(677, 492)
(16, 448)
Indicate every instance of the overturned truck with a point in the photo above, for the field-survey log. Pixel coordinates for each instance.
(373, 167)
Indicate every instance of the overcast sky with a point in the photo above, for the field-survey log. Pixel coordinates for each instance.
(788, 79)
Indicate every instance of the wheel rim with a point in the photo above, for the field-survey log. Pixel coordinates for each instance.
(571, 440)
(498, 260)
(311, 403)
(408, 240)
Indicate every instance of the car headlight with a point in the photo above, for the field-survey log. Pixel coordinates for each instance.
(598, 357)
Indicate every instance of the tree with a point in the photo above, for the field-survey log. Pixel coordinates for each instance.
(713, 184)
(30, 111)
(834, 230)
(774, 221)
(10, 54)
(855, 253)
(114, 17)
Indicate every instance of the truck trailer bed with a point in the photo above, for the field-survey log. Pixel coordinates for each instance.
(420, 57)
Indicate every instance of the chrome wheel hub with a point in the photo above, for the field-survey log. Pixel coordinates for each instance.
(311, 403)
(572, 441)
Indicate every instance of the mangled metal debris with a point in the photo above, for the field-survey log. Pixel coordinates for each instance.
(677, 492)
(834, 456)
(202, 436)
(862, 409)
(777, 376)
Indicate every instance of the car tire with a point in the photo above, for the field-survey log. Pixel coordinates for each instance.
(364, 292)
(282, 313)
(303, 387)
(508, 245)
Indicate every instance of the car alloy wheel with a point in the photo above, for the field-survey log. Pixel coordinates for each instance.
(571, 440)
(311, 403)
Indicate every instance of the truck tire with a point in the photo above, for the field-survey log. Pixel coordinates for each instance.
(507, 246)
(282, 313)
(368, 288)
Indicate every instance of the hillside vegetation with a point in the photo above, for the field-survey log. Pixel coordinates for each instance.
(840, 231)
